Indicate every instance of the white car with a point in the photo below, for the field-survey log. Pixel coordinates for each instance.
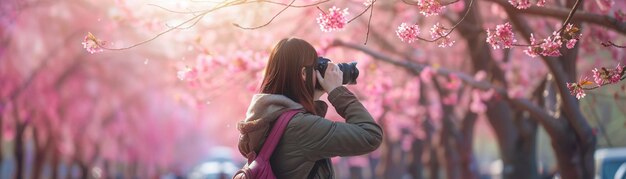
(220, 165)
(611, 163)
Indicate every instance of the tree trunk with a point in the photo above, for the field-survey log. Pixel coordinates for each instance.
(449, 155)
(390, 165)
(469, 167)
(434, 163)
(40, 159)
(574, 144)
(433, 160)
(19, 150)
(356, 172)
(568, 158)
(586, 148)
(55, 163)
(517, 153)
(415, 167)
(499, 112)
(41, 153)
(106, 170)
(391, 160)
(84, 169)
(1, 138)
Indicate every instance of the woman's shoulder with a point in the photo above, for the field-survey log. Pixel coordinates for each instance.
(306, 120)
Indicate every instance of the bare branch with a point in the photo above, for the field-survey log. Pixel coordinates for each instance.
(362, 12)
(247, 2)
(233, 3)
(581, 16)
(569, 16)
(415, 3)
(610, 43)
(268, 22)
(369, 22)
(197, 17)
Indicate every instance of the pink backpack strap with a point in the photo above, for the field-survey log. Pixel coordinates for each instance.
(277, 132)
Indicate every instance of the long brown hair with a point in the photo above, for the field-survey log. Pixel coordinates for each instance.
(283, 74)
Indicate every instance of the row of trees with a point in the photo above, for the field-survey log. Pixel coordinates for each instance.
(105, 115)
(516, 93)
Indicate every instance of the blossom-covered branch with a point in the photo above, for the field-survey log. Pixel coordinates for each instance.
(441, 35)
(619, 25)
(601, 77)
(268, 22)
(336, 18)
(429, 7)
(549, 122)
(503, 37)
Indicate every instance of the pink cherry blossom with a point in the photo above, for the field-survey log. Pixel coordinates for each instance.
(605, 5)
(617, 74)
(619, 15)
(571, 43)
(187, 73)
(599, 75)
(520, 4)
(429, 7)
(368, 2)
(426, 75)
(576, 90)
(439, 31)
(604, 76)
(454, 83)
(614, 78)
(334, 20)
(541, 3)
(532, 51)
(502, 37)
(450, 99)
(551, 46)
(477, 105)
(408, 33)
(487, 95)
(480, 75)
(93, 44)
(569, 27)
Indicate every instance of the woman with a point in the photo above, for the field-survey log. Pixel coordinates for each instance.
(309, 140)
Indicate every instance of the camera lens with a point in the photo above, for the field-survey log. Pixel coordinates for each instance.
(350, 72)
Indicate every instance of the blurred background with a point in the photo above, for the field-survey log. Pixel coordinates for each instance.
(168, 107)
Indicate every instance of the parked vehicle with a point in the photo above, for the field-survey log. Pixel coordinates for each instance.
(611, 163)
(220, 165)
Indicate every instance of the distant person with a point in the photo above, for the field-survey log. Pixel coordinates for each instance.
(310, 140)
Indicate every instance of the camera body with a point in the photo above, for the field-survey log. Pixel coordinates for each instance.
(350, 72)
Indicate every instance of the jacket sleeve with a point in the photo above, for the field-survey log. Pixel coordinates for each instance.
(320, 108)
(322, 138)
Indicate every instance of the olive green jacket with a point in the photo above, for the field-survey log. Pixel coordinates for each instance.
(309, 141)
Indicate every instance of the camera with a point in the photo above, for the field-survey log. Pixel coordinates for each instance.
(350, 72)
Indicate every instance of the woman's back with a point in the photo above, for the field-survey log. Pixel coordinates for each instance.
(293, 80)
(310, 140)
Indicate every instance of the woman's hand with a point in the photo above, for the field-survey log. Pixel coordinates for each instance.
(333, 78)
